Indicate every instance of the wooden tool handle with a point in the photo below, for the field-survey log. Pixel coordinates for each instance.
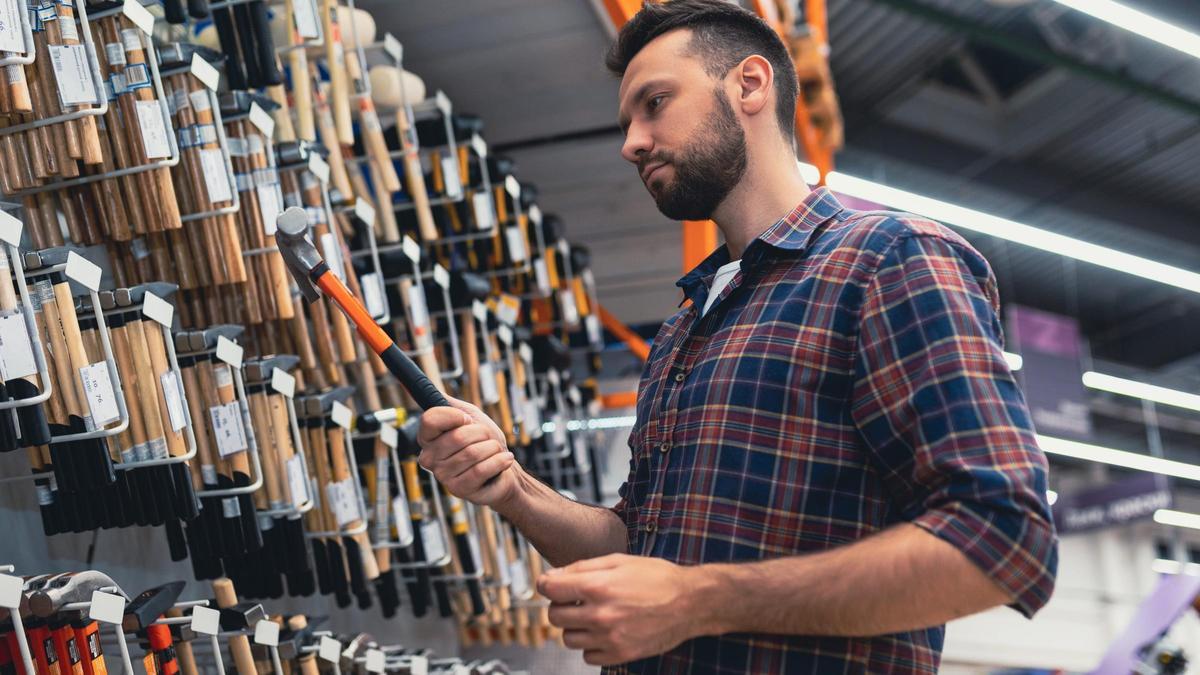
(414, 178)
(306, 128)
(307, 660)
(239, 645)
(76, 355)
(176, 446)
(198, 414)
(130, 441)
(335, 60)
(281, 429)
(470, 354)
(146, 393)
(265, 432)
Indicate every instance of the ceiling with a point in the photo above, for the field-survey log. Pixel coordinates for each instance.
(952, 98)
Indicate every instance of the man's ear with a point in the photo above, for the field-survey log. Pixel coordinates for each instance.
(753, 81)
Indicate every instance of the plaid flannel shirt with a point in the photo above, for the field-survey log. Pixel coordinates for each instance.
(849, 378)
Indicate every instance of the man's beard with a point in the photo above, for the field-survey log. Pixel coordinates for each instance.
(705, 172)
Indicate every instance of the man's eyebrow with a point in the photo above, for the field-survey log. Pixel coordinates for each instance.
(624, 120)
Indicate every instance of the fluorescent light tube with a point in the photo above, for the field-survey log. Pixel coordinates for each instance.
(1135, 21)
(1142, 390)
(1177, 518)
(1011, 230)
(1122, 458)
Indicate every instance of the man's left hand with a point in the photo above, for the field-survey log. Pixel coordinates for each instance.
(619, 608)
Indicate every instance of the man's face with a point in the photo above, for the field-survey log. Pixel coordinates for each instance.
(680, 130)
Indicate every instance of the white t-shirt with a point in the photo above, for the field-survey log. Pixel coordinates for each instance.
(720, 280)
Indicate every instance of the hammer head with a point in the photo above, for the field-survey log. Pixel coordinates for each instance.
(68, 588)
(298, 252)
(150, 604)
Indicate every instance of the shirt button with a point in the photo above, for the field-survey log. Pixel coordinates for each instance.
(664, 448)
(652, 526)
(679, 377)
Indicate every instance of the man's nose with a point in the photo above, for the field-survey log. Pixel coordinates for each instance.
(637, 143)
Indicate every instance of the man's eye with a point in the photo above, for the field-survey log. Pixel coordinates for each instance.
(655, 102)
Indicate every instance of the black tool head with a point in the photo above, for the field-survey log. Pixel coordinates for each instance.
(150, 604)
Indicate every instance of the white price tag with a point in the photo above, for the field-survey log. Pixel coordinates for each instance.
(520, 577)
(139, 15)
(594, 330)
(504, 333)
(451, 178)
(442, 102)
(516, 398)
(102, 400)
(535, 215)
(479, 146)
(403, 519)
(342, 416)
(389, 435)
(375, 661)
(263, 120)
(485, 214)
(206, 620)
(435, 543)
(297, 480)
(83, 270)
(158, 309)
(516, 243)
(170, 385)
(229, 351)
(551, 375)
(513, 187)
(305, 14)
(373, 294)
(542, 272)
(319, 167)
(533, 419)
(209, 76)
(418, 665)
(16, 352)
(283, 382)
(107, 607)
(10, 591)
(154, 129)
(487, 384)
(526, 353)
(560, 431)
(570, 313)
(266, 633)
(574, 395)
(73, 74)
(479, 310)
(440, 276)
(333, 255)
(11, 39)
(330, 650)
(508, 309)
(365, 211)
(216, 178)
(10, 227)
(411, 249)
(268, 206)
(227, 428)
(460, 669)
(393, 47)
(418, 312)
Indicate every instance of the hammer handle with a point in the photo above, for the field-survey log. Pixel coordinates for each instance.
(239, 645)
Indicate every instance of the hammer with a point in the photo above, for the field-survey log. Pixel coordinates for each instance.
(310, 272)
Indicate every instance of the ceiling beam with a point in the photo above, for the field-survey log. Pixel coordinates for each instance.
(1002, 40)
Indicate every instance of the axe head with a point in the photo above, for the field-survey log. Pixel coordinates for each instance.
(298, 252)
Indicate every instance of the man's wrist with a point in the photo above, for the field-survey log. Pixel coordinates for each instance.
(515, 499)
(707, 599)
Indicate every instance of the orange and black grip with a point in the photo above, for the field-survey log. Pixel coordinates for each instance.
(408, 373)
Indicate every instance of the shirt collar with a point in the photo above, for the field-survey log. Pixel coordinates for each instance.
(790, 233)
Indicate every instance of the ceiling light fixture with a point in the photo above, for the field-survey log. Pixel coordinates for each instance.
(1142, 390)
(1123, 458)
(1136, 21)
(1011, 230)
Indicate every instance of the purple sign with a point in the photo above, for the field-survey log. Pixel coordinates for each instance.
(1117, 503)
(1051, 377)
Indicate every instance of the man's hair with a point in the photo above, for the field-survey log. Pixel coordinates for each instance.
(723, 35)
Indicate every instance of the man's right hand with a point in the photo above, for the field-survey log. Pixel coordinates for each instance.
(465, 449)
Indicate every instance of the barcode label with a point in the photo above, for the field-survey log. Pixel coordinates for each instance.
(216, 178)
(227, 428)
(170, 385)
(487, 384)
(16, 352)
(11, 39)
(102, 400)
(154, 130)
(73, 75)
(342, 501)
(297, 480)
(268, 206)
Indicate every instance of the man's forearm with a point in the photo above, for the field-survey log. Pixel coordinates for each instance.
(563, 531)
(899, 580)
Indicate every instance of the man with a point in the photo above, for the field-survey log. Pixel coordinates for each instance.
(831, 457)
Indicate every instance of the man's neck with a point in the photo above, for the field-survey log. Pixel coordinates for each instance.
(768, 192)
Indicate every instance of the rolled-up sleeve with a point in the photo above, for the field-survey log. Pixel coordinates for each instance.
(943, 419)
